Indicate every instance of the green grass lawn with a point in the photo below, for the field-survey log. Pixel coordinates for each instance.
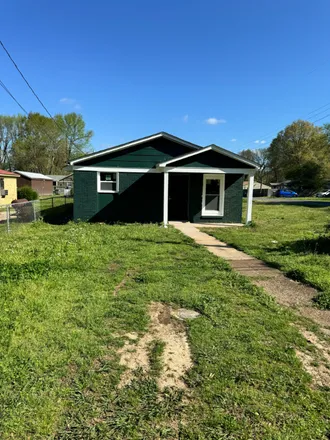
(59, 328)
(291, 237)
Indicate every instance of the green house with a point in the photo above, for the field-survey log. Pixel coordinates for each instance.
(162, 178)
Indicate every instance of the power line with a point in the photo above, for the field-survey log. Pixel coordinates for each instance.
(12, 96)
(321, 118)
(25, 111)
(313, 122)
(319, 113)
(314, 70)
(319, 108)
(26, 81)
(39, 100)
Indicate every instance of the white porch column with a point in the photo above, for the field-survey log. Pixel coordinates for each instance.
(249, 199)
(165, 201)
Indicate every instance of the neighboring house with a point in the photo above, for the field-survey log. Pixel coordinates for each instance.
(61, 183)
(8, 187)
(259, 190)
(37, 181)
(160, 178)
(280, 185)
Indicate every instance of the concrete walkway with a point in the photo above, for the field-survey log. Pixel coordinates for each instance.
(287, 292)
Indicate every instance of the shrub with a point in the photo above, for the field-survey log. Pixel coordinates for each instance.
(26, 192)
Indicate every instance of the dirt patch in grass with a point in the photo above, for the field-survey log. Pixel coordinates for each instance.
(175, 358)
(294, 294)
(122, 283)
(114, 267)
(316, 363)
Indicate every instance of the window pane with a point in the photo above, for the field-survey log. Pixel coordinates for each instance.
(108, 177)
(108, 186)
(212, 202)
(212, 186)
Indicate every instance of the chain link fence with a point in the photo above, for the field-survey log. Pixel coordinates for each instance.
(17, 213)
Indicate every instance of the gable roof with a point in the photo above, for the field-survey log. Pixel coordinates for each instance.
(110, 150)
(209, 148)
(256, 185)
(5, 173)
(30, 175)
(58, 177)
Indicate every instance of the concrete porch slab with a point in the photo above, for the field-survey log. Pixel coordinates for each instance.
(207, 225)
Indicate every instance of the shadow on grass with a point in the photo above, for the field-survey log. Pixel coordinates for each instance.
(183, 241)
(313, 246)
(308, 203)
(59, 215)
(318, 245)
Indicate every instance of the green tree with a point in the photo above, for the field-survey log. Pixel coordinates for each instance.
(77, 138)
(300, 148)
(308, 177)
(45, 145)
(326, 130)
(10, 129)
(40, 146)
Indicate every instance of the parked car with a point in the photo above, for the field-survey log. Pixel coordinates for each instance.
(286, 193)
(323, 193)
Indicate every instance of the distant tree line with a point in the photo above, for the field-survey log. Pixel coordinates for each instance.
(299, 153)
(41, 144)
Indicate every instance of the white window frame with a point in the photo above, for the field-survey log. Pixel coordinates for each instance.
(99, 190)
(214, 213)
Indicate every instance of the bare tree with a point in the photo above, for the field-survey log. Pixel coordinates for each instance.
(10, 130)
(260, 157)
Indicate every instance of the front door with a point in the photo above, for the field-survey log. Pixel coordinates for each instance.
(178, 197)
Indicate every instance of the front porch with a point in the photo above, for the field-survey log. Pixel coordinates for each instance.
(215, 186)
(210, 198)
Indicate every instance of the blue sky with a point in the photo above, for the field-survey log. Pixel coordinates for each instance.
(231, 73)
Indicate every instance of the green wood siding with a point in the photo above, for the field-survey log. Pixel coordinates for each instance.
(140, 198)
(146, 155)
(85, 195)
(210, 159)
(233, 200)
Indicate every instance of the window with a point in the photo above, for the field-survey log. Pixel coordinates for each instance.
(213, 195)
(2, 187)
(107, 182)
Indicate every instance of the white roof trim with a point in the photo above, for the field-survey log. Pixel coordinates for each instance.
(133, 143)
(245, 171)
(117, 169)
(214, 148)
(31, 175)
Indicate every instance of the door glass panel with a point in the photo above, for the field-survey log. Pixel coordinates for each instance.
(212, 202)
(212, 186)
